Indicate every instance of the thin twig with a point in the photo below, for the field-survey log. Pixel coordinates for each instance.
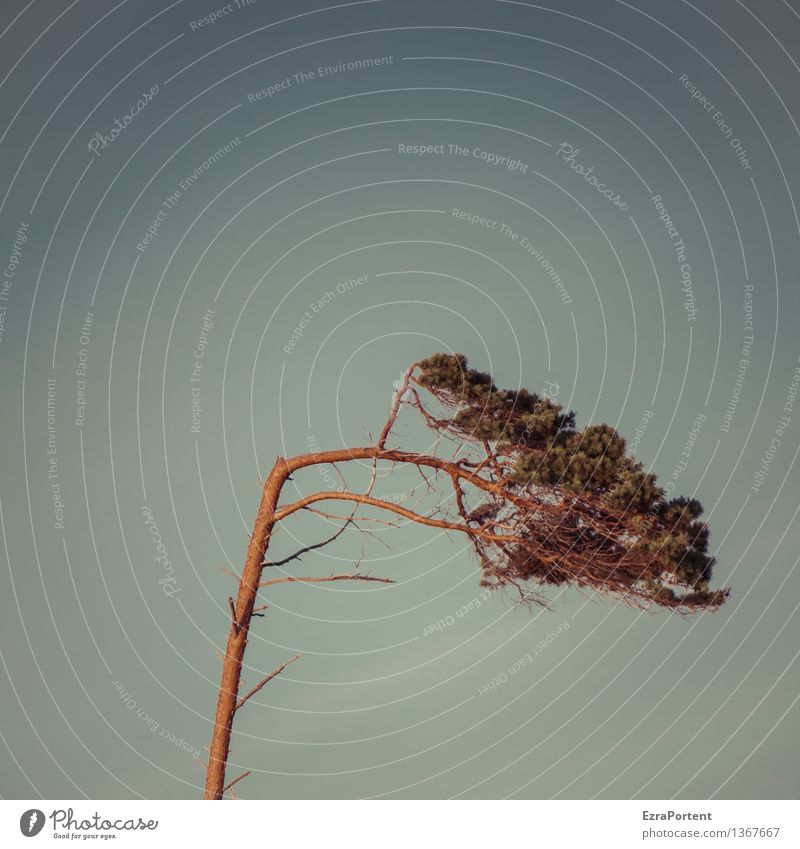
(234, 620)
(341, 476)
(307, 548)
(459, 497)
(360, 518)
(359, 561)
(230, 572)
(289, 579)
(266, 680)
(398, 400)
(235, 780)
(373, 476)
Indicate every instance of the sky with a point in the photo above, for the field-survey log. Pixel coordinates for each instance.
(225, 233)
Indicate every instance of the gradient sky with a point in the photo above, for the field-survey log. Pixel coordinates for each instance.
(293, 184)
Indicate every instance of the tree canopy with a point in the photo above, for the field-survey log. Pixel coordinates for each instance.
(576, 507)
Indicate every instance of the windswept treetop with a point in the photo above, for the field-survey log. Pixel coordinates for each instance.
(573, 505)
(540, 501)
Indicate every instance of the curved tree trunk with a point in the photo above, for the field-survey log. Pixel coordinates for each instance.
(241, 614)
(242, 608)
(266, 518)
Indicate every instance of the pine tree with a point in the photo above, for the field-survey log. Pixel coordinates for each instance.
(541, 501)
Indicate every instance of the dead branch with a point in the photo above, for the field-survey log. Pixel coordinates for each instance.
(289, 579)
(393, 508)
(459, 493)
(230, 784)
(427, 460)
(341, 476)
(325, 515)
(230, 572)
(234, 620)
(266, 681)
(373, 476)
(314, 547)
(398, 400)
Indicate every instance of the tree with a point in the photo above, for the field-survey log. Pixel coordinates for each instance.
(541, 502)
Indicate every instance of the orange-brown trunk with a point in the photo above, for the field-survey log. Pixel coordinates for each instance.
(237, 639)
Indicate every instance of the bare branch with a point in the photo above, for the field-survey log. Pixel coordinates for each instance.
(266, 681)
(341, 476)
(234, 620)
(290, 579)
(373, 477)
(230, 572)
(325, 515)
(459, 497)
(394, 508)
(235, 781)
(398, 400)
(432, 422)
(428, 460)
(492, 460)
(307, 548)
(361, 560)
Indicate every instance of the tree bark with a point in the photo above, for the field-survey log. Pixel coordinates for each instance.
(240, 627)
